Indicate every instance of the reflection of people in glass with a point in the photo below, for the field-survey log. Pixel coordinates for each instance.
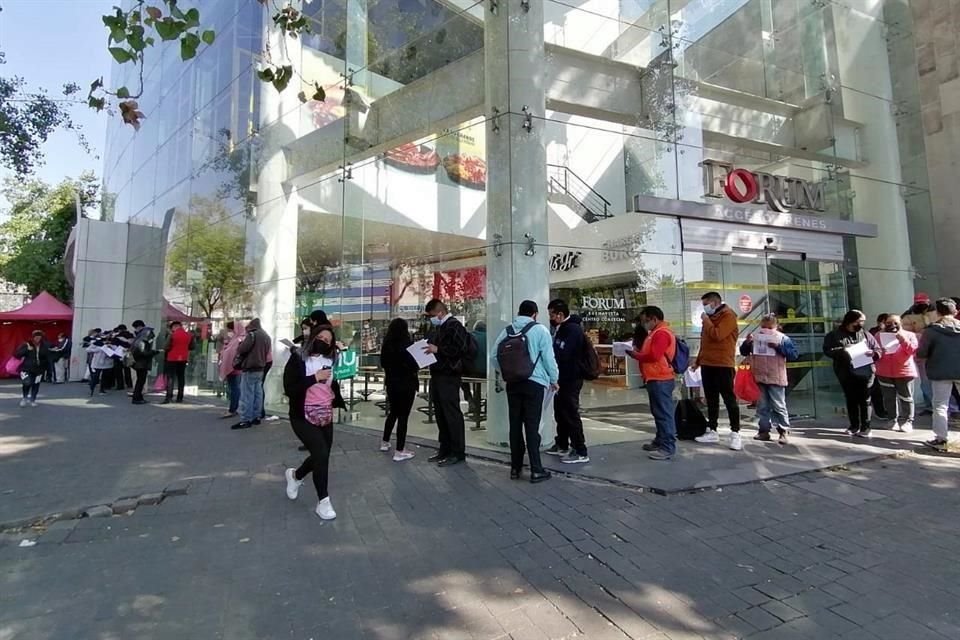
(400, 370)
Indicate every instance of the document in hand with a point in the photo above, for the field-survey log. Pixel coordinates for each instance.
(620, 348)
(889, 342)
(764, 343)
(858, 355)
(423, 358)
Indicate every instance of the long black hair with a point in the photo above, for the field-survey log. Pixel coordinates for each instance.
(308, 346)
(398, 334)
(850, 317)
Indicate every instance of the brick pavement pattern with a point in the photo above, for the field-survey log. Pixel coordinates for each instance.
(464, 552)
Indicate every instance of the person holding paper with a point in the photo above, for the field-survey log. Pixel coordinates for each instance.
(655, 356)
(940, 351)
(400, 370)
(853, 351)
(718, 366)
(569, 345)
(768, 351)
(896, 371)
(452, 345)
(526, 389)
(101, 364)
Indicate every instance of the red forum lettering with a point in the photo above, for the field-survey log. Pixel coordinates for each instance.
(749, 190)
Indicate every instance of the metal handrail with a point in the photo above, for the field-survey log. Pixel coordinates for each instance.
(578, 189)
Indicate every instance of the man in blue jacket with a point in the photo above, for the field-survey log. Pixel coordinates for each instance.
(568, 344)
(528, 376)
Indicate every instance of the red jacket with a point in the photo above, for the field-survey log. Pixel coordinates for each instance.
(656, 353)
(179, 346)
(900, 363)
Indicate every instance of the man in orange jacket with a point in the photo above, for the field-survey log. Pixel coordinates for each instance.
(718, 367)
(655, 356)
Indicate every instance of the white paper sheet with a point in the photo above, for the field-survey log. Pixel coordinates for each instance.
(858, 355)
(763, 343)
(889, 342)
(692, 379)
(287, 343)
(620, 348)
(423, 358)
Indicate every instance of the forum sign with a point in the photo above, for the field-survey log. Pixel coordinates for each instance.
(779, 193)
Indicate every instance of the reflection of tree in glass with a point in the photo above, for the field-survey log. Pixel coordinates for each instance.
(209, 261)
(235, 160)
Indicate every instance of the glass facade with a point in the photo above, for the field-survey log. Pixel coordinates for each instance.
(615, 153)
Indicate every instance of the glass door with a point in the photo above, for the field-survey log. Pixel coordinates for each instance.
(789, 296)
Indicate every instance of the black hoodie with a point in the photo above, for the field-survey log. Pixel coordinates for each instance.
(568, 342)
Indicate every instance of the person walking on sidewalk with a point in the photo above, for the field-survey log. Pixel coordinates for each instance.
(400, 371)
(36, 362)
(176, 356)
(143, 353)
(855, 378)
(717, 363)
(253, 354)
(768, 351)
(940, 352)
(657, 351)
(526, 362)
(308, 383)
(569, 343)
(896, 371)
(451, 343)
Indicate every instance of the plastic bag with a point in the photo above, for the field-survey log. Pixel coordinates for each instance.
(692, 379)
(745, 385)
(12, 366)
(160, 384)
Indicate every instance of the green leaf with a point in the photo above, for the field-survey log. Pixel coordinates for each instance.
(118, 34)
(208, 37)
(187, 50)
(302, 97)
(135, 39)
(96, 84)
(167, 29)
(96, 103)
(123, 93)
(120, 55)
(282, 78)
(265, 74)
(149, 42)
(319, 95)
(192, 17)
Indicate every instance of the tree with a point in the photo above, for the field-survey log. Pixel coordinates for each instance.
(208, 258)
(34, 237)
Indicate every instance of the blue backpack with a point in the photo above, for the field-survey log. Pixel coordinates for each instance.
(681, 357)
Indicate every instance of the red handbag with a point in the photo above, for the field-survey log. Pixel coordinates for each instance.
(745, 386)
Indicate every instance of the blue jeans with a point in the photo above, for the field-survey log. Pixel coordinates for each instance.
(251, 395)
(660, 393)
(772, 408)
(233, 392)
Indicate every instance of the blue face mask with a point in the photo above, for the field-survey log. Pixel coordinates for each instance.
(709, 309)
(435, 321)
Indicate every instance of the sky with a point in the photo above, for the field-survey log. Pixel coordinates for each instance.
(50, 43)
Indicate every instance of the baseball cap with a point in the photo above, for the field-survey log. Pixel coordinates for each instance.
(921, 298)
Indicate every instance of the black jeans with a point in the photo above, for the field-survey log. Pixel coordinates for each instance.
(176, 370)
(118, 374)
(31, 387)
(525, 402)
(566, 410)
(879, 404)
(856, 391)
(718, 383)
(263, 392)
(445, 394)
(138, 387)
(318, 441)
(400, 404)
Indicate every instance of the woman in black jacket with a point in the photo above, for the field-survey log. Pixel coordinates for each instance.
(400, 370)
(855, 381)
(310, 365)
(36, 362)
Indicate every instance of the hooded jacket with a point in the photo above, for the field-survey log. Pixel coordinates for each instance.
(718, 339)
(940, 349)
(453, 345)
(568, 344)
(541, 352)
(253, 354)
(36, 360)
(142, 349)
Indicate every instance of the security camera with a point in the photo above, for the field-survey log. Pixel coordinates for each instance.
(770, 240)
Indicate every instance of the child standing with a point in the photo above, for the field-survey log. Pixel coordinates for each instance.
(768, 351)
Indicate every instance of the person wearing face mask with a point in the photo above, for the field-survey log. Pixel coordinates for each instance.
(896, 371)
(940, 351)
(452, 345)
(36, 360)
(253, 356)
(768, 351)
(717, 363)
(854, 381)
(655, 356)
(308, 383)
(568, 344)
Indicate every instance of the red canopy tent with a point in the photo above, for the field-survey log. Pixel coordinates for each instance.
(44, 312)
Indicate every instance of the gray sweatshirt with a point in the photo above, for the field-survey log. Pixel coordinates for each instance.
(940, 349)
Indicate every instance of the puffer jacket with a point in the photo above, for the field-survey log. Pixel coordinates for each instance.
(36, 360)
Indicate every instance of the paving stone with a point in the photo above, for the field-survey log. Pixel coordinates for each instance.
(99, 511)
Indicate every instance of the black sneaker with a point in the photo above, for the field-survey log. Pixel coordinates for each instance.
(556, 451)
(241, 425)
(763, 436)
(256, 422)
(936, 443)
(651, 446)
(514, 474)
(539, 476)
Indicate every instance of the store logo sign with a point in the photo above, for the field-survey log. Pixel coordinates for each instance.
(779, 193)
(565, 261)
(602, 304)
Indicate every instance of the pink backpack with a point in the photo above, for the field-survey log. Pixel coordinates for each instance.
(318, 404)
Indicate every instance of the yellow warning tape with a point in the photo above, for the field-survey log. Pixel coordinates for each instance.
(785, 320)
(720, 286)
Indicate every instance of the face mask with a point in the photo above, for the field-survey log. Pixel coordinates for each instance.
(648, 326)
(892, 328)
(435, 321)
(320, 348)
(306, 333)
(709, 309)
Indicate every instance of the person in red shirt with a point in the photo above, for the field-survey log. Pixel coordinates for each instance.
(655, 356)
(177, 355)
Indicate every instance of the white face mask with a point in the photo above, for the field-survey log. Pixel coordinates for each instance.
(709, 309)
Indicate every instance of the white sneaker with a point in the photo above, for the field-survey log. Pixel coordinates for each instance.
(710, 437)
(907, 427)
(33, 403)
(325, 510)
(401, 455)
(23, 402)
(293, 485)
(736, 442)
(384, 446)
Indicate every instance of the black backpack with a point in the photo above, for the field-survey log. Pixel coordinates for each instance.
(590, 367)
(514, 357)
(690, 421)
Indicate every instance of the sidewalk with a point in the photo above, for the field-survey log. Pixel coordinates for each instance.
(423, 552)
